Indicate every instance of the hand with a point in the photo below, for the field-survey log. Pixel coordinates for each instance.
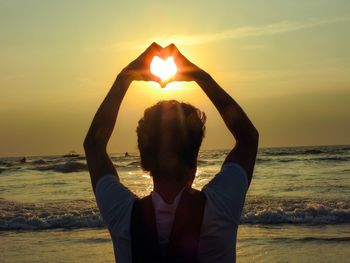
(186, 70)
(139, 69)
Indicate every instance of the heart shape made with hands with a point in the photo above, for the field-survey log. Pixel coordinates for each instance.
(164, 69)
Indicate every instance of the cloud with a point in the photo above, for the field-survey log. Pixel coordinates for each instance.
(235, 33)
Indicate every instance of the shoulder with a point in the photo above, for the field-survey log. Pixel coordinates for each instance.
(225, 193)
(110, 188)
(231, 178)
(115, 201)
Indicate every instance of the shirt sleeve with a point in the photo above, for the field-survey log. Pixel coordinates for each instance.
(227, 191)
(115, 202)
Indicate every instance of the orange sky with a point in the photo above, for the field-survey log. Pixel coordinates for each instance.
(287, 64)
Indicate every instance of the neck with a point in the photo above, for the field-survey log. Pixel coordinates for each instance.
(167, 186)
(168, 192)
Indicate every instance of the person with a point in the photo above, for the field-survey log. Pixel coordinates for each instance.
(175, 223)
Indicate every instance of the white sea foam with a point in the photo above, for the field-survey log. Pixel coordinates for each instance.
(295, 211)
(84, 214)
(318, 174)
(28, 216)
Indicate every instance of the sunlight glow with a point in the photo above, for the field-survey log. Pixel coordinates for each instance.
(164, 69)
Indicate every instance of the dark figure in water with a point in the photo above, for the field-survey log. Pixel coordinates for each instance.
(127, 154)
(175, 223)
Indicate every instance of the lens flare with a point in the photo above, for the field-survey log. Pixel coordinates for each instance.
(164, 69)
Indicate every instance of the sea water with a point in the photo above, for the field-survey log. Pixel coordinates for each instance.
(297, 208)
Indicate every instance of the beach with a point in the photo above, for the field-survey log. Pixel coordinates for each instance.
(297, 208)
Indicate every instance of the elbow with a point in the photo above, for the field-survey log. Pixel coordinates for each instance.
(87, 144)
(250, 137)
(90, 142)
(255, 133)
(93, 142)
(255, 136)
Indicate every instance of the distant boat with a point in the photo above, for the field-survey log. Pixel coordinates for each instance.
(71, 154)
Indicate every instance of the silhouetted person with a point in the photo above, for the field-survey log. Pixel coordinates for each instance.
(175, 223)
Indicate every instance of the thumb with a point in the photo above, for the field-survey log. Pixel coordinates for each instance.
(155, 78)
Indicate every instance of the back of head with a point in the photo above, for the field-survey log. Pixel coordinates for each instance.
(169, 136)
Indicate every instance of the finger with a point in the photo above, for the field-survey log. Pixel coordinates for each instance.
(170, 50)
(149, 76)
(154, 78)
(180, 60)
(155, 46)
(153, 49)
(166, 82)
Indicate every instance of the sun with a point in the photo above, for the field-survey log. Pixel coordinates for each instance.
(164, 69)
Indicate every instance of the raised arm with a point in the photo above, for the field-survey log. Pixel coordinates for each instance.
(246, 135)
(95, 143)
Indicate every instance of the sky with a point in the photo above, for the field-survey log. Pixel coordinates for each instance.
(287, 63)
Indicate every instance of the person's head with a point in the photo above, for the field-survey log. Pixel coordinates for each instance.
(169, 136)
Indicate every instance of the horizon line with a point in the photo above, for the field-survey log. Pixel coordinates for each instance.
(211, 149)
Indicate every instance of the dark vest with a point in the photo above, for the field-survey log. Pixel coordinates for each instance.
(185, 233)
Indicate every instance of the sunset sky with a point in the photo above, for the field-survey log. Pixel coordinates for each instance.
(286, 62)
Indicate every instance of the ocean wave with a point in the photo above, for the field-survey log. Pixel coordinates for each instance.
(27, 216)
(330, 159)
(3, 162)
(202, 162)
(292, 152)
(272, 211)
(303, 159)
(264, 160)
(39, 162)
(9, 168)
(213, 153)
(326, 239)
(134, 163)
(66, 167)
(307, 239)
(85, 214)
(304, 151)
(268, 160)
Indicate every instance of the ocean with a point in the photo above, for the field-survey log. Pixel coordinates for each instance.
(297, 208)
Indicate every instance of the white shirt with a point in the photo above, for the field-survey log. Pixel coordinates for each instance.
(225, 195)
(164, 214)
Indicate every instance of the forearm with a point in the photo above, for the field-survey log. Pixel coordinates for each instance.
(103, 123)
(95, 143)
(233, 115)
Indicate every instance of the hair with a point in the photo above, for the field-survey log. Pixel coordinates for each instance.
(169, 137)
